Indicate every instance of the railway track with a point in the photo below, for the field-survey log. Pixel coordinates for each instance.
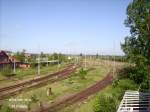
(18, 87)
(57, 105)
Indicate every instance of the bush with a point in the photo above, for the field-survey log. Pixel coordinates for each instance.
(127, 84)
(124, 72)
(139, 74)
(82, 73)
(110, 103)
(115, 82)
(122, 86)
(145, 85)
(105, 104)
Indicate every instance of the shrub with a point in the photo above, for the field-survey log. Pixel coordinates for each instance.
(110, 103)
(145, 85)
(82, 73)
(105, 104)
(115, 82)
(124, 72)
(139, 74)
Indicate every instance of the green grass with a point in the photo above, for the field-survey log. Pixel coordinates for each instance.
(118, 91)
(65, 87)
(22, 74)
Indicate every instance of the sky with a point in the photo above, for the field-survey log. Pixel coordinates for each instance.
(67, 26)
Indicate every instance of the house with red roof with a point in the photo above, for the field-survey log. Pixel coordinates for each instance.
(5, 60)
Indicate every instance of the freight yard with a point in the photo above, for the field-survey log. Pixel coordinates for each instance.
(72, 84)
(74, 56)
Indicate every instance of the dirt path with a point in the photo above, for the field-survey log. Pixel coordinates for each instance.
(57, 105)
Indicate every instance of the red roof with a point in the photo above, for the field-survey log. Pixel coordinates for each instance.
(3, 53)
(11, 58)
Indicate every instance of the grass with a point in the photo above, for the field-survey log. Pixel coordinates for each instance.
(65, 87)
(22, 74)
(118, 91)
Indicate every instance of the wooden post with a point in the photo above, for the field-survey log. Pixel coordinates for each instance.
(41, 105)
(49, 91)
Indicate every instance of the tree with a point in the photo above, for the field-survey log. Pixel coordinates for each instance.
(137, 45)
(20, 55)
(42, 55)
(81, 54)
(138, 20)
(56, 56)
(97, 55)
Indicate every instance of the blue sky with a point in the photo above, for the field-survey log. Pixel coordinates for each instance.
(74, 26)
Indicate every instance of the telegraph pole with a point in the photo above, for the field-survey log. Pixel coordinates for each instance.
(58, 61)
(85, 61)
(114, 64)
(39, 64)
(47, 60)
(14, 67)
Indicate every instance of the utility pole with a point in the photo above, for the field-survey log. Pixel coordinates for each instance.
(14, 67)
(85, 61)
(47, 60)
(58, 62)
(114, 64)
(39, 65)
(77, 60)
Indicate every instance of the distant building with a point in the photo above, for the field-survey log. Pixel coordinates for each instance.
(6, 59)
